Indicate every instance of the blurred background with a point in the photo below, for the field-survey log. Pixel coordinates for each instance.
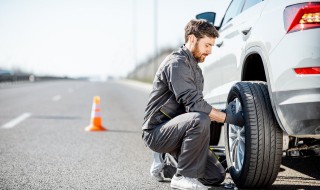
(96, 39)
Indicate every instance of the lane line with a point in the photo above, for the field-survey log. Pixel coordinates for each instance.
(56, 98)
(16, 121)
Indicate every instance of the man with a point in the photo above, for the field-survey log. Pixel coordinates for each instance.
(177, 118)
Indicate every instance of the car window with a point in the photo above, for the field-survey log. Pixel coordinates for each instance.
(233, 10)
(250, 3)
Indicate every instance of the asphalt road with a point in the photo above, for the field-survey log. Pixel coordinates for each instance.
(43, 144)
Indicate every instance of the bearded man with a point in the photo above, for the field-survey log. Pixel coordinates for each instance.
(177, 118)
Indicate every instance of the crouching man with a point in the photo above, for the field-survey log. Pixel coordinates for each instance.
(177, 118)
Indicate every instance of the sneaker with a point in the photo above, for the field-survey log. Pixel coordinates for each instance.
(186, 183)
(157, 166)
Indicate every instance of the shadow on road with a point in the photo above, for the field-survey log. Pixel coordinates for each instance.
(308, 165)
(303, 173)
(294, 187)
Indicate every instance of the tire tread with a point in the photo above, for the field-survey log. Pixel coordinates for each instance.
(263, 144)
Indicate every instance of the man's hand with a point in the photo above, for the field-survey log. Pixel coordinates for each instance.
(217, 115)
(233, 116)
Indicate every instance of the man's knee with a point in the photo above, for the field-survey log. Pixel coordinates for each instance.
(203, 121)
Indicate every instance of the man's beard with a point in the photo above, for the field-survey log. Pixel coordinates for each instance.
(200, 57)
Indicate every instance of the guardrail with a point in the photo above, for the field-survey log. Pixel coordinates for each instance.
(27, 77)
(14, 78)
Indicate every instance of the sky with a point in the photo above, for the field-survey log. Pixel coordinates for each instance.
(77, 38)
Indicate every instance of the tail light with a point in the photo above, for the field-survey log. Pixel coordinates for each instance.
(307, 70)
(302, 16)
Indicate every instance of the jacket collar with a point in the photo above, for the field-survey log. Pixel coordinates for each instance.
(189, 54)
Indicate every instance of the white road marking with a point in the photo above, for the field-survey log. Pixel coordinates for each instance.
(56, 98)
(16, 121)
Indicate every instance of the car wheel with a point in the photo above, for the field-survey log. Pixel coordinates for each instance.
(254, 151)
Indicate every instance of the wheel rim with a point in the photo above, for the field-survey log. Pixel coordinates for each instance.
(236, 137)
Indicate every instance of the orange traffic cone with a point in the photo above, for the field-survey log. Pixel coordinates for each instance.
(96, 121)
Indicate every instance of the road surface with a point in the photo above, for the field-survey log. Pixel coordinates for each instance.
(43, 144)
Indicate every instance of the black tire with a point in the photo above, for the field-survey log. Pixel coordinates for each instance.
(261, 138)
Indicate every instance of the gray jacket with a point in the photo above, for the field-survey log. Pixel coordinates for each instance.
(177, 89)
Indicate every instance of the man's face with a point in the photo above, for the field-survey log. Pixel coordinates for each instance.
(202, 48)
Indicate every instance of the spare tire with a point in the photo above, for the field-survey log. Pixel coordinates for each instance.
(254, 151)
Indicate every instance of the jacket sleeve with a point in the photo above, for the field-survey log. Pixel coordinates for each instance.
(181, 82)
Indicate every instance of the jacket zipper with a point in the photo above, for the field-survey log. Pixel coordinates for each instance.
(165, 114)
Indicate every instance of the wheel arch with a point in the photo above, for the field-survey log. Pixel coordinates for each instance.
(255, 63)
(253, 68)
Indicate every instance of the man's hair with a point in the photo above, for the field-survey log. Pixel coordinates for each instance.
(200, 28)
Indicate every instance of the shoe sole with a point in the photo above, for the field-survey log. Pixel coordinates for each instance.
(179, 188)
(176, 187)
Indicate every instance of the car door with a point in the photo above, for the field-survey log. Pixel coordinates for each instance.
(214, 70)
(234, 32)
(213, 78)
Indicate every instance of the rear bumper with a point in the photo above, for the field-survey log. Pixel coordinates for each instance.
(296, 98)
(299, 112)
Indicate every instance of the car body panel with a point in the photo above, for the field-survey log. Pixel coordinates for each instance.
(229, 58)
(280, 53)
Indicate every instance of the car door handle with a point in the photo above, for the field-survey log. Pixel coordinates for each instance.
(246, 31)
(219, 44)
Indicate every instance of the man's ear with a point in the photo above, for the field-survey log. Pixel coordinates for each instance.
(192, 38)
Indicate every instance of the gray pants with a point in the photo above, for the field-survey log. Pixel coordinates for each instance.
(186, 137)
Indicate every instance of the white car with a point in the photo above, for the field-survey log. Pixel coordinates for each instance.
(267, 59)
